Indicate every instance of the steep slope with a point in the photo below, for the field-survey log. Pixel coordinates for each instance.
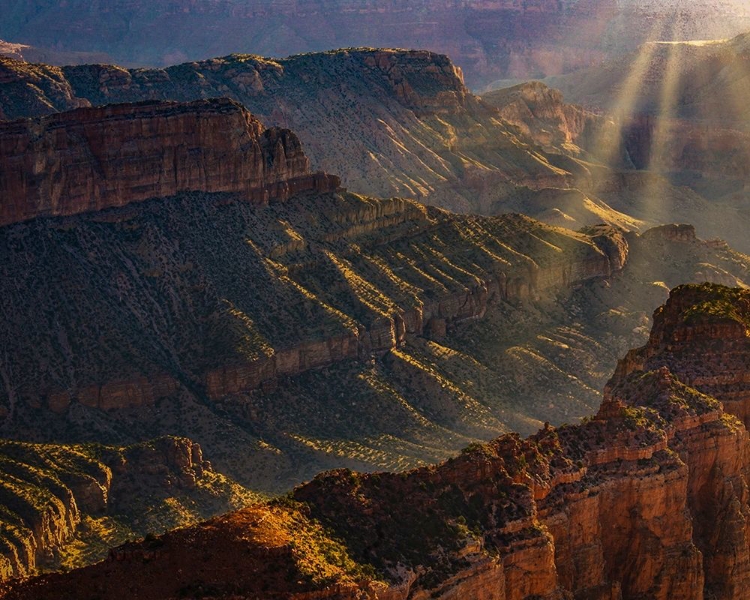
(171, 305)
(646, 499)
(542, 114)
(67, 505)
(402, 123)
(91, 159)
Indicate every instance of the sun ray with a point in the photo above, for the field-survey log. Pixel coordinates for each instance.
(654, 198)
(606, 145)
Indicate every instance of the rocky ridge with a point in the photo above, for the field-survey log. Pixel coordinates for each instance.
(643, 500)
(402, 123)
(227, 320)
(285, 289)
(542, 114)
(97, 158)
(388, 122)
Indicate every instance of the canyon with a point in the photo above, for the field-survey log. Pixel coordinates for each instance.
(389, 123)
(213, 295)
(214, 279)
(645, 499)
(64, 506)
(286, 328)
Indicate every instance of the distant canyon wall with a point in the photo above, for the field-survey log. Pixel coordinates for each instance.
(490, 40)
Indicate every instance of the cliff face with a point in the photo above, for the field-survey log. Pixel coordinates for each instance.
(541, 113)
(204, 313)
(710, 313)
(397, 123)
(97, 158)
(646, 499)
(203, 303)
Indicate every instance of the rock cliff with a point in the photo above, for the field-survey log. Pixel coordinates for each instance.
(397, 122)
(97, 158)
(647, 499)
(256, 326)
(541, 113)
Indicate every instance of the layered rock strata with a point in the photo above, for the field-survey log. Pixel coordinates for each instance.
(238, 323)
(97, 158)
(490, 40)
(237, 326)
(647, 499)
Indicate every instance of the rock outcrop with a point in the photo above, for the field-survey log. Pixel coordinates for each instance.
(47, 491)
(541, 113)
(98, 158)
(647, 499)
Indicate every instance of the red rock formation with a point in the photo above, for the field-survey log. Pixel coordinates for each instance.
(93, 159)
(541, 113)
(97, 158)
(649, 499)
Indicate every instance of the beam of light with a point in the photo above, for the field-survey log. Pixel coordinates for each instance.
(608, 144)
(654, 201)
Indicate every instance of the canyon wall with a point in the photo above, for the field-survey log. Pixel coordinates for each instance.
(98, 158)
(212, 155)
(647, 499)
(490, 40)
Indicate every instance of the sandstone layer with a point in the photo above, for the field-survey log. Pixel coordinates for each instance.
(647, 499)
(403, 123)
(256, 326)
(97, 158)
